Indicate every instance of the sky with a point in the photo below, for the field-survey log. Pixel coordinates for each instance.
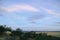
(31, 15)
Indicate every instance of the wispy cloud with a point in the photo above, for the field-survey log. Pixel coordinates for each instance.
(13, 8)
(1, 15)
(36, 17)
(52, 12)
(58, 22)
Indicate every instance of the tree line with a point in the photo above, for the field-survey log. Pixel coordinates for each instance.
(31, 35)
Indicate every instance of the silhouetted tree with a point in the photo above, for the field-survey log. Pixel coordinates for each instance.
(26, 35)
(2, 29)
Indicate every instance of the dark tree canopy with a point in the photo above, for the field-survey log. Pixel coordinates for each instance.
(2, 29)
(26, 35)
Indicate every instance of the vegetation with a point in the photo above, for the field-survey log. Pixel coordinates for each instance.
(18, 34)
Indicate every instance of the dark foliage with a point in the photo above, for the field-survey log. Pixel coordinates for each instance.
(2, 29)
(27, 35)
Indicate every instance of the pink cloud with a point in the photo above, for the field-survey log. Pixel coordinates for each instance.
(13, 8)
(52, 12)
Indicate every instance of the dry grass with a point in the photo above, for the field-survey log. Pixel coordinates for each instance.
(51, 33)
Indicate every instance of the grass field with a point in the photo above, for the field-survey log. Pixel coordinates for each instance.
(2, 38)
(53, 33)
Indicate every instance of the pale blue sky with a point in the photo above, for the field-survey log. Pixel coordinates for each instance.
(31, 15)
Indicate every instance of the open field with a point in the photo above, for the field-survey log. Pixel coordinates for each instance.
(53, 33)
